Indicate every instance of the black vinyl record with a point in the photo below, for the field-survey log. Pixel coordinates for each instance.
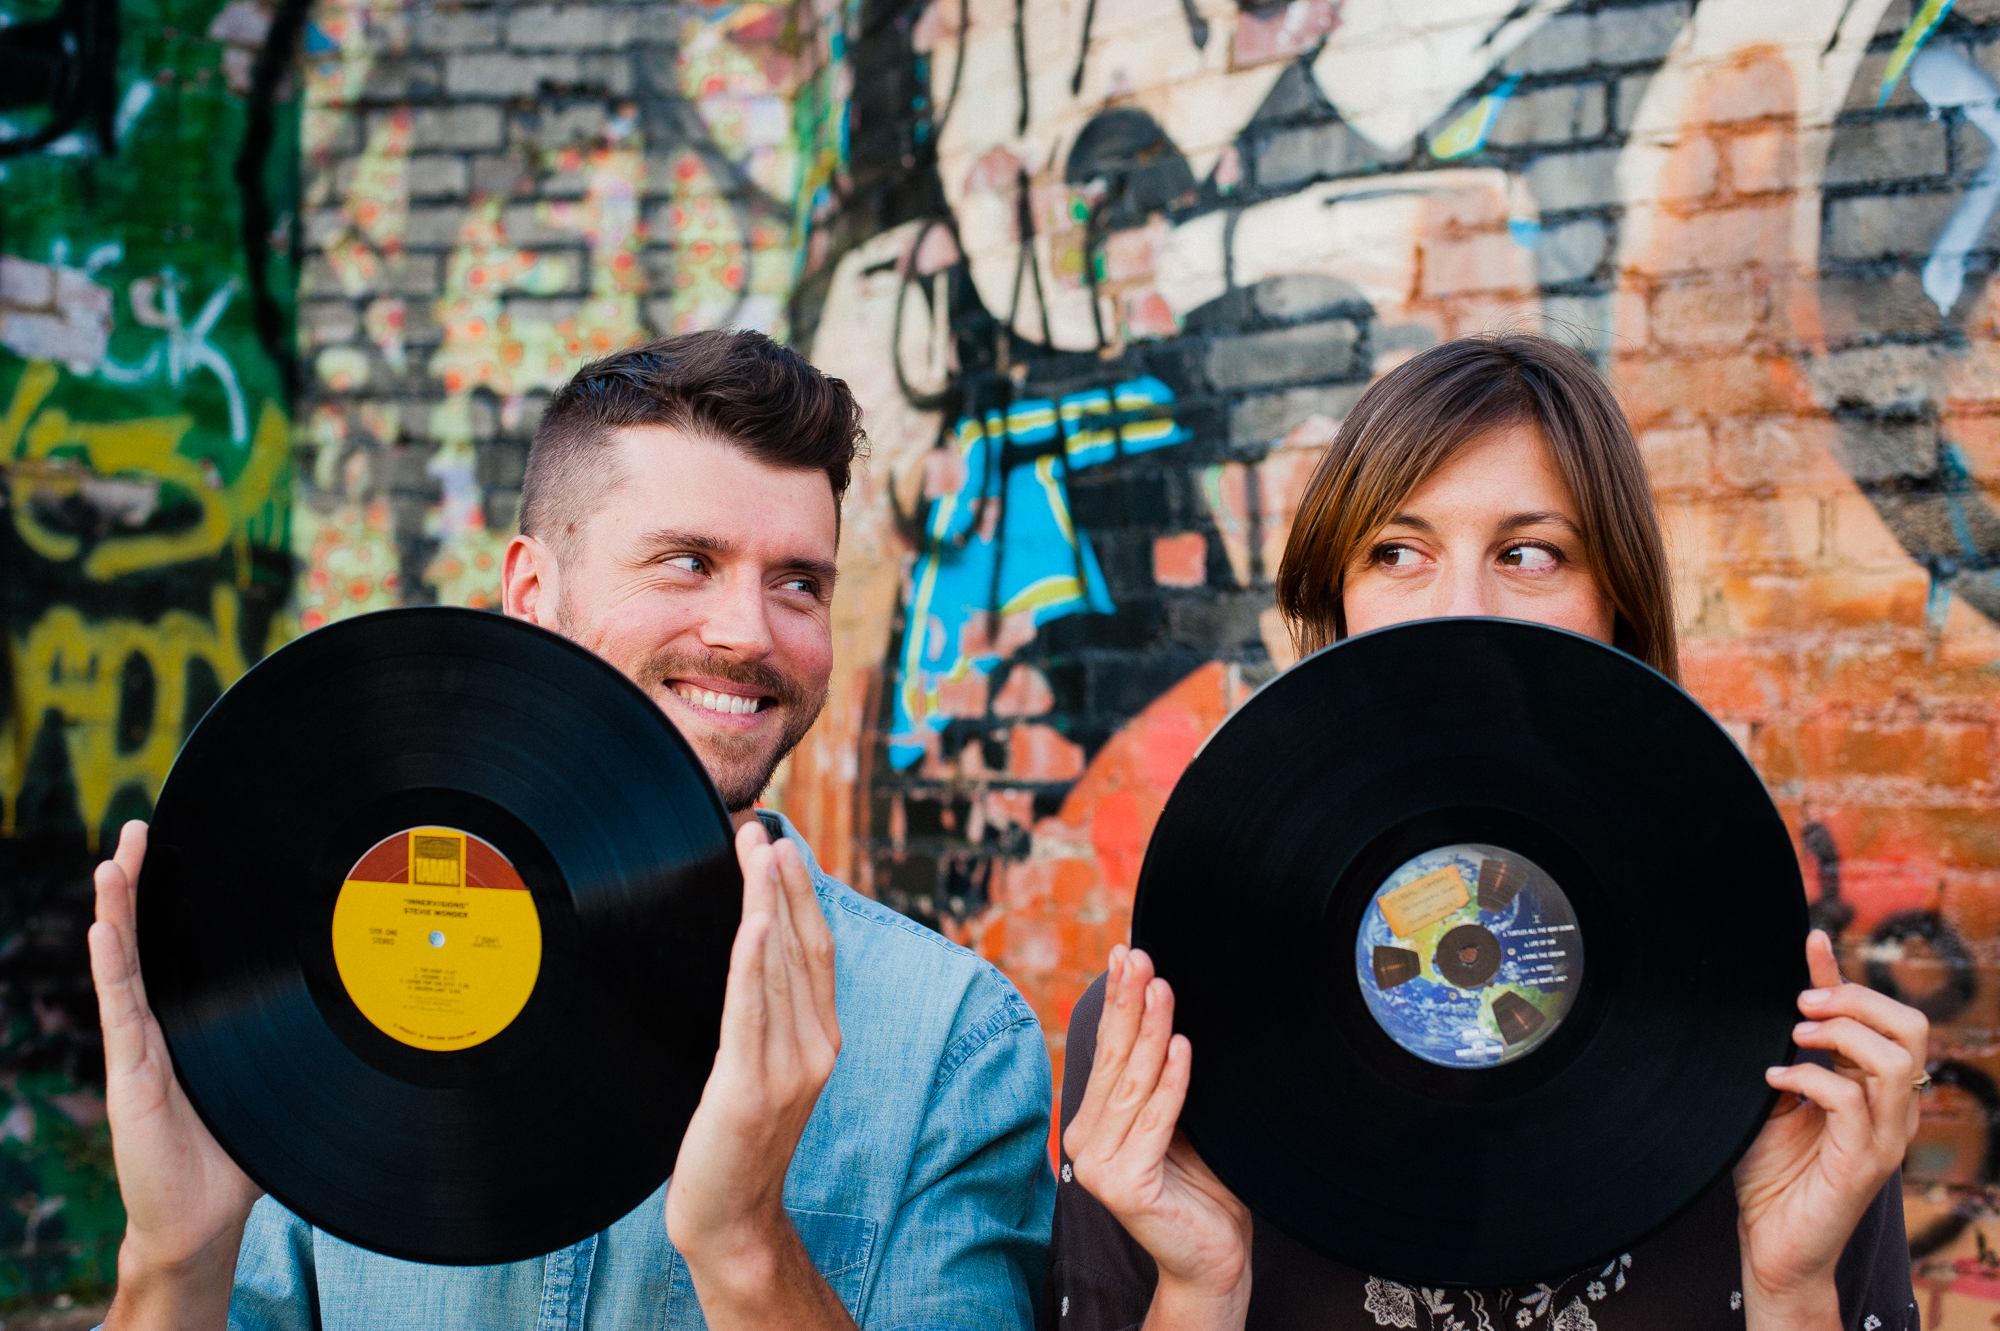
(1483, 934)
(436, 918)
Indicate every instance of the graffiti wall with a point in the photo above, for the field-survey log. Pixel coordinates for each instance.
(283, 286)
(147, 179)
(494, 195)
(1109, 273)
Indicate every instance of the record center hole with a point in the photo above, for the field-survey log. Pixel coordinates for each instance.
(1466, 955)
(437, 938)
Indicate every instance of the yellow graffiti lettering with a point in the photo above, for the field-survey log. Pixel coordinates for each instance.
(145, 448)
(74, 668)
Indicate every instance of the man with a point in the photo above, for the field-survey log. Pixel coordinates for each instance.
(870, 1146)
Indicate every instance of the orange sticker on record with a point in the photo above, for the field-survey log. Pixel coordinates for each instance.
(436, 938)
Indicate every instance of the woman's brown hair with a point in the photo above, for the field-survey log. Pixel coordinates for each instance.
(1416, 418)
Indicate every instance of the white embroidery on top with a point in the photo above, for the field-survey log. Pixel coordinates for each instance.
(1391, 1304)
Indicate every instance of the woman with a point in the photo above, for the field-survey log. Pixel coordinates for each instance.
(1489, 476)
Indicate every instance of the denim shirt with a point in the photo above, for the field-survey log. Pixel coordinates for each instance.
(921, 1188)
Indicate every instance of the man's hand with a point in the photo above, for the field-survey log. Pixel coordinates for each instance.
(185, 1200)
(1829, 1146)
(1128, 1152)
(780, 1037)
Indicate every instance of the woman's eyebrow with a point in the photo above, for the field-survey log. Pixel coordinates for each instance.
(1536, 519)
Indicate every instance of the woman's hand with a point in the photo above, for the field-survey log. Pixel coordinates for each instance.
(1833, 1140)
(1126, 1151)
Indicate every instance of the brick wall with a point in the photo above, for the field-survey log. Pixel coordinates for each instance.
(1193, 234)
(1218, 243)
(1741, 217)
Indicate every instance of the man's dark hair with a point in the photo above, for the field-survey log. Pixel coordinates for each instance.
(734, 387)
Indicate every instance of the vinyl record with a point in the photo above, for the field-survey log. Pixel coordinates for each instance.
(436, 918)
(1483, 934)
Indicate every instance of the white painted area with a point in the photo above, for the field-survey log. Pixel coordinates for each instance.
(1392, 67)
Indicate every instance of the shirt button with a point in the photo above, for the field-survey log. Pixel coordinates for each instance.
(1065, 1178)
(1065, 1307)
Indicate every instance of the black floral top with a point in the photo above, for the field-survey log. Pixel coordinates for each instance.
(1687, 1277)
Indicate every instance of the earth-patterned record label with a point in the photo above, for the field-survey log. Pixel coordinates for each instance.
(1469, 956)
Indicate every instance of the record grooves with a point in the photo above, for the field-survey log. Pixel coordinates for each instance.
(1483, 934)
(436, 918)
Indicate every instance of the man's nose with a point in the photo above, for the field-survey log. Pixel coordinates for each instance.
(738, 620)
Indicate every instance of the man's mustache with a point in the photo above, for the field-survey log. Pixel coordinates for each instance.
(758, 675)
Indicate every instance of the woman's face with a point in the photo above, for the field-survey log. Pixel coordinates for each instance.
(1492, 532)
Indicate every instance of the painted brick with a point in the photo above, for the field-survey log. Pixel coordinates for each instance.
(1754, 89)
(439, 29)
(1483, 261)
(1724, 238)
(505, 74)
(1565, 42)
(527, 224)
(399, 78)
(1219, 624)
(1762, 160)
(438, 176)
(1870, 308)
(1309, 351)
(559, 126)
(1294, 156)
(327, 322)
(433, 227)
(1631, 91)
(1298, 294)
(571, 27)
(1180, 560)
(1037, 752)
(1026, 693)
(1756, 453)
(1269, 416)
(1574, 179)
(455, 127)
(607, 74)
(1635, 34)
(1560, 114)
(1570, 252)
(416, 275)
(1881, 150)
(499, 173)
(1706, 312)
(1694, 169)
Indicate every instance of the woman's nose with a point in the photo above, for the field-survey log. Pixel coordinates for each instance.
(1464, 590)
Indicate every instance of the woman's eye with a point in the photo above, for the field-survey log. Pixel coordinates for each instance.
(1395, 556)
(1528, 556)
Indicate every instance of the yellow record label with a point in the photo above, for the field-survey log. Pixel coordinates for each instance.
(436, 938)
(1426, 901)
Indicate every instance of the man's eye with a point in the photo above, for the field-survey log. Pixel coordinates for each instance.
(1528, 556)
(688, 563)
(804, 585)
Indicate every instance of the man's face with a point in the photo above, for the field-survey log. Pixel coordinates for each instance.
(706, 577)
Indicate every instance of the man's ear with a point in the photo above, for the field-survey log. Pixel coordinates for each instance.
(529, 586)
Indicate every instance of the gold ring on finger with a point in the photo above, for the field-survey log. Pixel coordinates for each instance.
(1923, 1082)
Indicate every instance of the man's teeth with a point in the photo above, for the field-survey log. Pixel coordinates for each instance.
(731, 703)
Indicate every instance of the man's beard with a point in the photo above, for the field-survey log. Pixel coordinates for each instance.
(740, 772)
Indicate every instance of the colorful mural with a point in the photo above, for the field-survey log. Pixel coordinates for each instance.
(1107, 277)
(147, 199)
(493, 199)
(1772, 226)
